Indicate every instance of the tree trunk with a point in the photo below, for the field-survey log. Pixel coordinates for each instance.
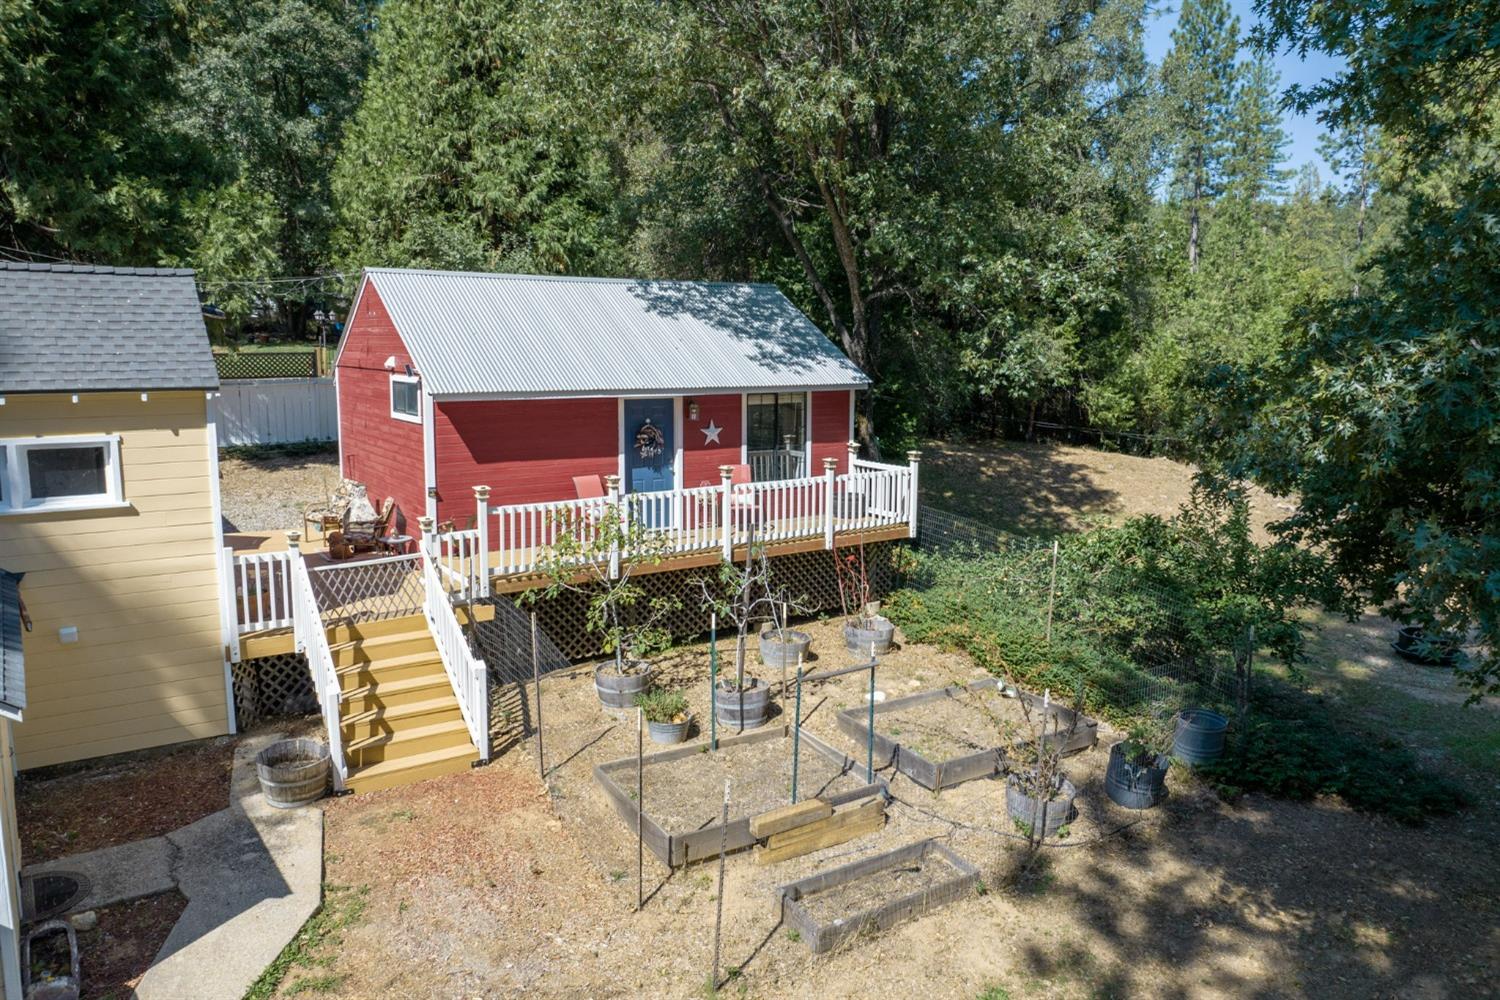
(1193, 211)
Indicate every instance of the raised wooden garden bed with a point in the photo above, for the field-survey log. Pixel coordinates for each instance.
(947, 736)
(875, 893)
(684, 789)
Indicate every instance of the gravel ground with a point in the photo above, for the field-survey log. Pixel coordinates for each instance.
(268, 493)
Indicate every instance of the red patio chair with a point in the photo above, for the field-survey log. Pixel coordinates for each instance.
(589, 487)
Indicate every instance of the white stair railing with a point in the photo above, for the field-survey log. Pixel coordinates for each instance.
(467, 674)
(311, 638)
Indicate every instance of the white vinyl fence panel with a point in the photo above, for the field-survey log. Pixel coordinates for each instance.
(276, 411)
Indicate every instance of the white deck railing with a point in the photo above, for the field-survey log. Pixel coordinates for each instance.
(312, 640)
(521, 538)
(466, 672)
(259, 589)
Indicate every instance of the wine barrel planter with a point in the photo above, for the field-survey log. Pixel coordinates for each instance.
(1132, 784)
(293, 772)
(1033, 814)
(783, 647)
(669, 732)
(880, 635)
(1200, 736)
(1413, 645)
(617, 691)
(742, 709)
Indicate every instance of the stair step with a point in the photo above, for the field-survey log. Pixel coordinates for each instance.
(381, 647)
(411, 665)
(345, 632)
(383, 719)
(408, 741)
(390, 693)
(406, 770)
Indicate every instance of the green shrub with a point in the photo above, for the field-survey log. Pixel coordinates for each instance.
(1297, 746)
(662, 706)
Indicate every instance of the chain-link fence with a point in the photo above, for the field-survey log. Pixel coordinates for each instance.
(1048, 613)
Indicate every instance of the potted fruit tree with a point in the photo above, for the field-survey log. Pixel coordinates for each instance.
(865, 629)
(631, 625)
(1038, 795)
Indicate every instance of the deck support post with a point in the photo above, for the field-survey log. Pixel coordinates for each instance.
(479, 577)
(294, 551)
(830, 481)
(914, 459)
(612, 489)
(726, 483)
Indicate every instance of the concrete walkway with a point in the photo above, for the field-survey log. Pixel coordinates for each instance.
(252, 876)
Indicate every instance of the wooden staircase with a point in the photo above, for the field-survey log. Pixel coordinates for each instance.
(399, 719)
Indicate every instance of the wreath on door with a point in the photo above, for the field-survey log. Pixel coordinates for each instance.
(649, 440)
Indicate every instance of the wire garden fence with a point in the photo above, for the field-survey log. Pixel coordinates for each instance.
(1135, 647)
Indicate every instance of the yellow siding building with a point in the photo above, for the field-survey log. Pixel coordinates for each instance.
(109, 509)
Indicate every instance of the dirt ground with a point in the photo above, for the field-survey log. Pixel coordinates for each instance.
(1044, 488)
(72, 808)
(488, 883)
(269, 493)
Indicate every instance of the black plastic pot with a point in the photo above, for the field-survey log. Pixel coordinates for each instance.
(742, 708)
(1135, 785)
(879, 635)
(1035, 815)
(1413, 645)
(617, 692)
(1200, 736)
(783, 647)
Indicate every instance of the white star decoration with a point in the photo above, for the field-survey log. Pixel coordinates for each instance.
(711, 433)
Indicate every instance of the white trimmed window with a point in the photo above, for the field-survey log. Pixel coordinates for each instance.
(406, 398)
(60, 473)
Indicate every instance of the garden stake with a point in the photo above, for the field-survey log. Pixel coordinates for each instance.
(719, 899)
(713, 681)
(870, 743)
(1051, 591)
(536, 680)
(641, 808)
(797, 730)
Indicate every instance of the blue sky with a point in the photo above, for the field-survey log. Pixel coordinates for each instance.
(1302, 130)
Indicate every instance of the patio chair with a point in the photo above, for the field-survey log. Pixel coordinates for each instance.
(365, 536)
(744, 507)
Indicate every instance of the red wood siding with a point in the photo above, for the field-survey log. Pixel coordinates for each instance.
(378, 450)
(830, 429)
(701, 461)
(525, 450)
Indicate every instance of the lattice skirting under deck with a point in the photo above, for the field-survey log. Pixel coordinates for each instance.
(505, 643)
(270, 687)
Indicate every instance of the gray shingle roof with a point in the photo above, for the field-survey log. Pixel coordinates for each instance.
(520, 335)
(84, 328)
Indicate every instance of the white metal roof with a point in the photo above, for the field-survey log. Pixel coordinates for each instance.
(524, 335)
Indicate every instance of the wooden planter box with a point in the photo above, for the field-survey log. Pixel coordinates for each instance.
(617, 779)
(822, 937)
(936, 774)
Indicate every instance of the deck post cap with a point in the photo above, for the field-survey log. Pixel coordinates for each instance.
(726, 470)
(293, 539)
(481, 493)
(914, 456)
(425, 523)
(830, 463)
(612, 481)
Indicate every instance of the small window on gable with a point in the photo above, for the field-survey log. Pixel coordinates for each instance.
(56, 473)
(406, 393)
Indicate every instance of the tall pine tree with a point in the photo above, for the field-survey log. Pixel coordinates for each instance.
(1257, 144)
(1199, 78)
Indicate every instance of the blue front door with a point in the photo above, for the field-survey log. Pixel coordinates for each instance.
(650, 445)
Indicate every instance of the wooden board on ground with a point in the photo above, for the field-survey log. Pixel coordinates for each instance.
(789, 817)
(839, 828)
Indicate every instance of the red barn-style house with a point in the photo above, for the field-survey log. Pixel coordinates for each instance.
(491, 402)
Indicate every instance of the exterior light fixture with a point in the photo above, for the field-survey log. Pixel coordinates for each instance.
(692, 409)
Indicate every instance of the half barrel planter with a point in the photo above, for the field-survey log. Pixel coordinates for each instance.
(617, 692)
(293, 773)
(878, 636)
(742, 708)
(1049, 816)
(783, 647)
